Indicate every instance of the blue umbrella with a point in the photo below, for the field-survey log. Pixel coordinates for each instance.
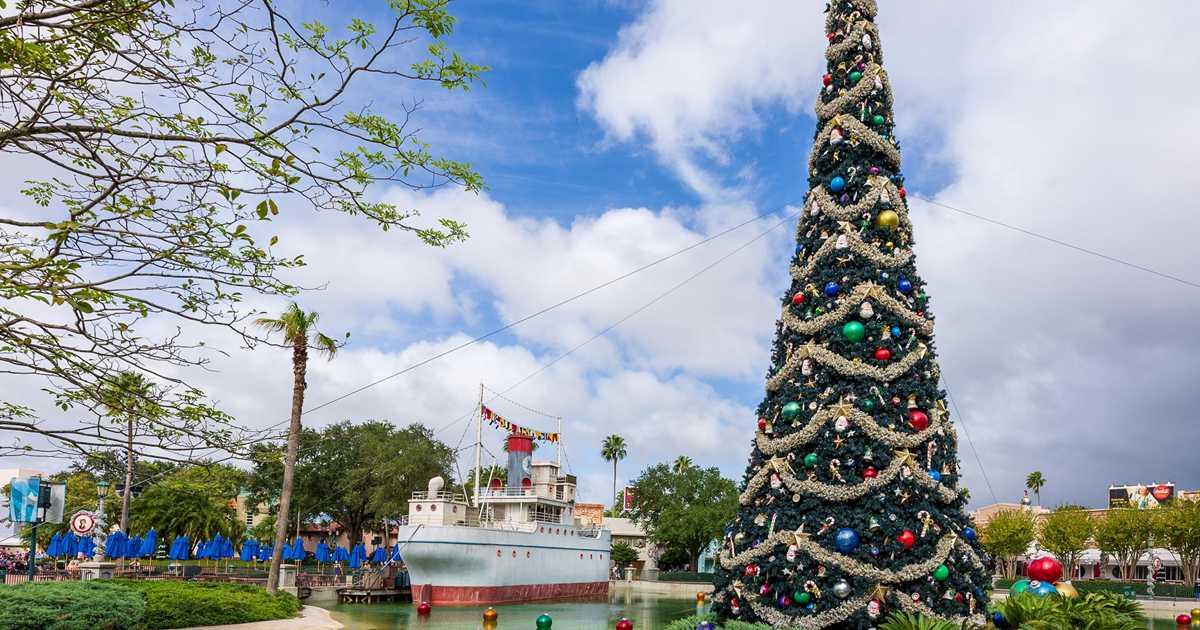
(299, 553)
(396, 553)
(249, 547)
(358, 555)
(67, 545)
(264, 552)
(87, 546)
(322, 553)
(227, 549)
(133, 547)
(379, 555)
(285, 552)
(52, 549)
(341, 555)
(114, 545)
(149, 544)
(180, 548)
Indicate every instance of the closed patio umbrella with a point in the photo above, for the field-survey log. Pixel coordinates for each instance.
(322, 553)
(299, 553)
(341, 555)
(149, 544)
(249, 548)
(379, 555)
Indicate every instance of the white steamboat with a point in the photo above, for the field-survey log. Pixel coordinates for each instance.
(517, 542)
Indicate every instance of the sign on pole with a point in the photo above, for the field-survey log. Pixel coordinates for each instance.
(628, 498)
(82, 522)
(58, 502)
(23, 500)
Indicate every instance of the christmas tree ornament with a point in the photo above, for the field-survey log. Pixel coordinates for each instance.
(1195, 612)
(841, 588)
(827, 79)
(1045, 569)
(896, 332)
(868, 404)
(764, 590)
(835, 136)
(544, 622)
(706, 625)
(791, 410)
(918, 420)
(1020, 586)
(831, 289)
(883, 354)
(837, 184)
(999, 621)
(904, 285)
(935, 475)
(1183, 619)
(762, 424)
(623, 624)
(806, 367)
(870, 473)
(874, 608)
(1041, 589)
(866, 311)
(424, 608)
(887, 220)
(490, 615)
(802, 597)
(1066, 589)
(791, 553)
(968, 533)
(810, 460)
(907, 539)
(846, 540)
(798, 298)
(903, 193)
(784, 601)
(941, 573)
(878, 120)
(855, 76)
(854, 331)
(842, 242)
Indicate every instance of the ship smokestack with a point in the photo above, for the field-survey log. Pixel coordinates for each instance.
(520, 456)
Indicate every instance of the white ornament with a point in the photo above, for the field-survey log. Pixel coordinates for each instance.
(806, 367)
(866, 311)
(866, 40)
(841, 424)
(878, 83)
(873, 609)
(835, 136)
(776, 482)
(884, 198)
(841, 242)
(791, 553)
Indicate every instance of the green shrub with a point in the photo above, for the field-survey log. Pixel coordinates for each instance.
(171, 604)
(685, 576)
(1180, 591)
(1091, 611)
(70, 606)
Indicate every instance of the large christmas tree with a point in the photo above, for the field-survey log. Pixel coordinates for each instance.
(850, 506)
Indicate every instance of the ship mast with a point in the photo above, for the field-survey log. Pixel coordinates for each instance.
(478, 441)
(558, 445)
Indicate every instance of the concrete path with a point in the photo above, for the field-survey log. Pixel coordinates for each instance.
(311, 618)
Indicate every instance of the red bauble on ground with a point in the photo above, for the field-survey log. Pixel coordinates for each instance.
(798, 299)
(424, 608)
(870, 473)
(1184, 619)
(624, 624)
(1045, 569)
(907, 539)
(918, 420)
(882, 354)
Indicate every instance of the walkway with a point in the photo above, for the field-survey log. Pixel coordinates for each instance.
(311, 618)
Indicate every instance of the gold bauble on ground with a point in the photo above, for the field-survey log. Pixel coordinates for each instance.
(1195, 614)
(888, 219)
(1066, 589)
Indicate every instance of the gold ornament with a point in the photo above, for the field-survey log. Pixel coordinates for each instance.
(888, 220)
(1066, 589)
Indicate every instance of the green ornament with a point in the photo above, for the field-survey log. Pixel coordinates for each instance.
(868, 404)
(791, 410)
(941, 573)
(544, 621)
(802, 597)
(855, 76)
(854, 331)
(878, 120)
(810, 460)
(820, 310)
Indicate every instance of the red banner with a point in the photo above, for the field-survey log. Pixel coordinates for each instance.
(504, 424)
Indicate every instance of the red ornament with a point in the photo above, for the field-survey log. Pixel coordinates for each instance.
(895, 401)
(1183, 619)
(827, 79)
(1045, 569)
(751, 570)
(831, 36)
(958, 597)
(624, 624)
(762, 424)
(798, 299)
(903, 193)
(424, 609)
(918, 420)
(882, 354)
(907, 539)
(870, 473)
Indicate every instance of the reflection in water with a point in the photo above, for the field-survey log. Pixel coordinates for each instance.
(645, 611)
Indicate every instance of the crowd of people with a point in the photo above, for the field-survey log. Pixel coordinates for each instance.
(13, 561)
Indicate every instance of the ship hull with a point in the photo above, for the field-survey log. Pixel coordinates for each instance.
(455, 565)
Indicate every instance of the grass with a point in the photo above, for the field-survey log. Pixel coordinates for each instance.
(137, 605)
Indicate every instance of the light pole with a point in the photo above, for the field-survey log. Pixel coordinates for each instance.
(101, 525)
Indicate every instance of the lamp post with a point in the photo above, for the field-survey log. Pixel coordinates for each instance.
(101, 526)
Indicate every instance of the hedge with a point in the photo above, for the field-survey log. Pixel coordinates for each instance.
(685, 576)
(137, 605)
(70, 606)
(1178, 591)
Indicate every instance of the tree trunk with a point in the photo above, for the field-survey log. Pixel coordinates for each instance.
(128, 476)
(299, 365)
(614, 494)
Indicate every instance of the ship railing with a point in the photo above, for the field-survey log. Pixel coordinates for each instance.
(422, 495)
(506, 492)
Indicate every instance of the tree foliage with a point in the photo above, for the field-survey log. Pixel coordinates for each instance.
(1065, 533)
(1177, 528)
(683, 509)
(196, 501)
(1007, 535)
(623, 554)
(164, 139)
(1125, 534)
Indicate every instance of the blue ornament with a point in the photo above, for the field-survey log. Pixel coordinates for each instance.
(706, 625)
(799, 250)
(969, 533)
(832, 289)
(875, 550)
(904, 285)
(837, 184)
(935, 475)
(997, 619)
(846, 540)
(896, 332)
(1042, 589)
(810, 607)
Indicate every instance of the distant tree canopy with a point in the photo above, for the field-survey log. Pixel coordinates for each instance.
(1008, 535)
(684, 508)
(356, 474)
(159, 141)
(1065, 533)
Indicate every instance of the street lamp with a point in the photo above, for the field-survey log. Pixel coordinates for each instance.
(101, 492)
(101, 526)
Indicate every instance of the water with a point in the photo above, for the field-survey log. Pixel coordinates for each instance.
(644, 610)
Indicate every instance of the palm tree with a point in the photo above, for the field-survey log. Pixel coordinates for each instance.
(682, 463)
(300, 332)
(1035, 481)
(613, 450)
(128, 397)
